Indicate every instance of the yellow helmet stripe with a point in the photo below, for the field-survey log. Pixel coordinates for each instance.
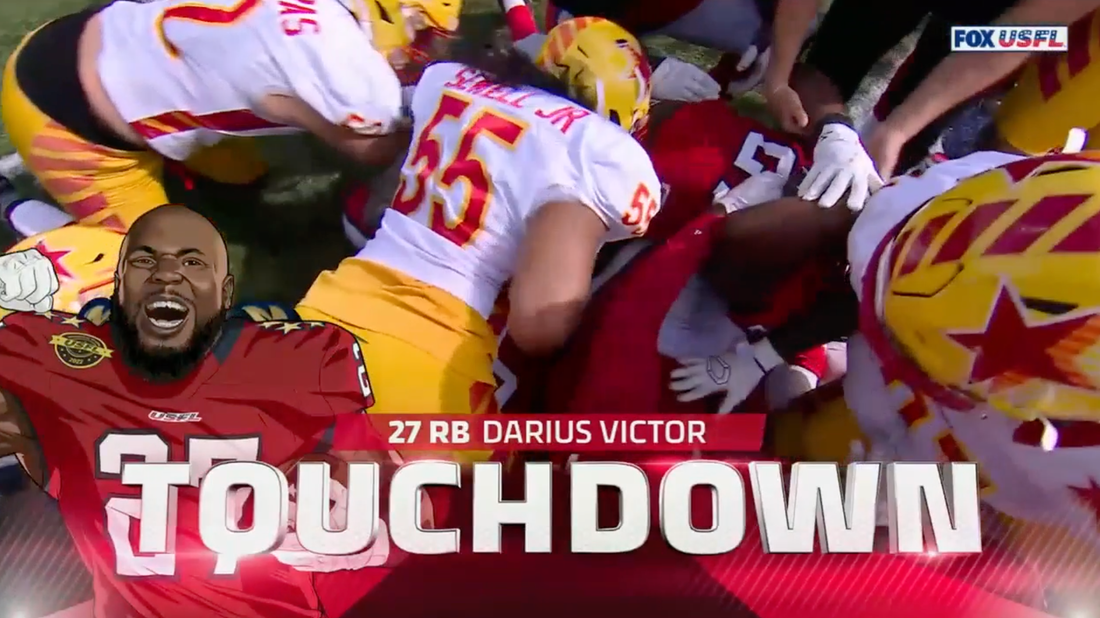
(922, 242)
(1029, 226)
(1033, 223)
(1085, 238)
(563, 35)
(1068, 353)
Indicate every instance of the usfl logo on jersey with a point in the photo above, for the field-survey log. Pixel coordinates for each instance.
(1010, 38)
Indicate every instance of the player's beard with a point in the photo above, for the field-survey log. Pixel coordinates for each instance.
(162, 365)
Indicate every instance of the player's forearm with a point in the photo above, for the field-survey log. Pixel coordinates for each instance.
(960, 76)
(375, 151)
(767, 243)
(792, 22)
(833, 315)
(553, 275)
(956, 79)
(820, 96)
(542, 330)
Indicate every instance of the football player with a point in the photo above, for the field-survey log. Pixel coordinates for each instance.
(166, 375)
(518, 174)
(655, 302)
(97, 101)
(1052, 95)
(932, 83)
(972, 338)
(739, 29)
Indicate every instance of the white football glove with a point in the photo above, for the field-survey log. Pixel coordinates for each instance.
(736, 373)
(530, 46)
(759, 63)
(840, 164)
(755, 190)
(28, 281)
(859, 453)
(676, 80)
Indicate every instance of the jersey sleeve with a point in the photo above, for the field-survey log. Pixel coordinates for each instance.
(341, 76)
(342, 376)
(613, 176)
(26, 343)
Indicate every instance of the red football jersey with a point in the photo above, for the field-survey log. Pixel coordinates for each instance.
(612, 363)
(615, 362)
(270, 392)
(707, 148)
(700, 150)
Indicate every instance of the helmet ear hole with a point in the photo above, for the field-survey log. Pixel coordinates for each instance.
(383, 13)
(613, 116)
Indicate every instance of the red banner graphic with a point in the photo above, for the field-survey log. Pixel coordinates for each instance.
(572, 432)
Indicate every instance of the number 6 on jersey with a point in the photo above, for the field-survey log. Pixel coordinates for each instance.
(425, 172)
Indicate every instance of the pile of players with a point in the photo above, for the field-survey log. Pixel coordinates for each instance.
(555, 245)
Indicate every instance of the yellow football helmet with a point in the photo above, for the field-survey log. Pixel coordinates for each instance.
(604, 66)
(440, 16)
(992, 288)
(402, 30)
(391, 34)
(84, 258)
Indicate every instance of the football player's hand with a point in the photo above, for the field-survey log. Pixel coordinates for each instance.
(884, 145)
(755, 190)
(676, 80)
(755, 63)
(840, 165)
(28, 281)
(735, 373)
(786, 107)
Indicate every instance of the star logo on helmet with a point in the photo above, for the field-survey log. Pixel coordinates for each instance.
(55, 258)
(1011, 348)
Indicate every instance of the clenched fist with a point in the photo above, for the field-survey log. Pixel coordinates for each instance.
(28, 281)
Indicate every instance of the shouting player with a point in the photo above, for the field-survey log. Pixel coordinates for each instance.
(167, 377)
(517, 175)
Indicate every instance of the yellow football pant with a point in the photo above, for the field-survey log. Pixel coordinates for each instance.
(817, 427)
(426, 351)
(100, 187)
(820, 427)
(1056, 92)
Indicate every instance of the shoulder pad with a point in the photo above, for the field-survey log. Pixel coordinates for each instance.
(97, 311)
(264, 312)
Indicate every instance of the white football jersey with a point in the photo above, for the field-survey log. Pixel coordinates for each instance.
(1018, 478)
(484, 158)
(187, 74)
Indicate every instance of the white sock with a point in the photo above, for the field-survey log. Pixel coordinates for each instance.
(31, 217)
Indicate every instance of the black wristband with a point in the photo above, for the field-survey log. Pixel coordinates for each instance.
(828, 119)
